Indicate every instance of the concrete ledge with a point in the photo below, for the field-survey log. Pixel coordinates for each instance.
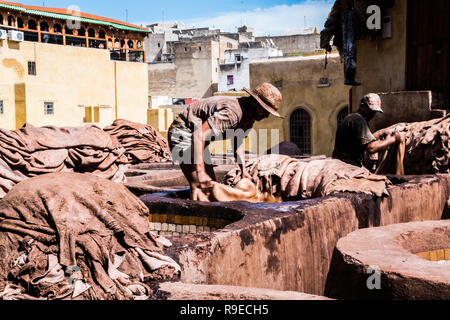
(289, 246)
(181, 291)
(393, 251)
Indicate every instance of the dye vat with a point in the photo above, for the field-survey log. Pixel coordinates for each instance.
(288, 246)
(148, 178)
(403, 261)
(440, 256)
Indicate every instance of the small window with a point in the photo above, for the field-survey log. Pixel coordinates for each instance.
(159, 45)
(91, 33)
(82, 32)
(32, 24)
(11, 21)
(48, 108)
(1, 107)
(44, 26)
(230, 80)
(57, 28)
(200, 48)
(31, 68)
(185, 49)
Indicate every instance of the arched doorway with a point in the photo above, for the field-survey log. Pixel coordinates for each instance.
(300, 124)
(342, 115)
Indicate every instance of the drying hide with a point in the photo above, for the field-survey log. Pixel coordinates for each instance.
(293, 179)
(141, 142)
(32, 151)
(426, 149)
(77, 236)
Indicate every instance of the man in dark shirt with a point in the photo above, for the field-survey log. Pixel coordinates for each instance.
(354, 138)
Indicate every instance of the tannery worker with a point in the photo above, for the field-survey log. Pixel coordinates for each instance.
(354, 138)
(215, 119)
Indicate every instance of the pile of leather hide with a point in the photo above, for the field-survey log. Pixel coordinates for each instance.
(32, 151)
(77, 236)
(292, 179)
(426, 149)
(142, 142)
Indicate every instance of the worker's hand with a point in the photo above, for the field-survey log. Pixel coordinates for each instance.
(204, 180)
(399, 137)
(246, 175)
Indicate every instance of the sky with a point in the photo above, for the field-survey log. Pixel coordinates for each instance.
(267, 17)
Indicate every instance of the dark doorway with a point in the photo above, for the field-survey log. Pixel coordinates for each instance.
(428, 66)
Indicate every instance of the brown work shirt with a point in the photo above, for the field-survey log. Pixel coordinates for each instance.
(221, 113)
(351, 138)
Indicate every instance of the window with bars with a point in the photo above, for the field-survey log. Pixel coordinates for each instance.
(49, 108)
(1, 107)
(300, 124)
(31, 68)
(342, 115)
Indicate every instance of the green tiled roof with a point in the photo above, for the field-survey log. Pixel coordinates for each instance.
(69, 17)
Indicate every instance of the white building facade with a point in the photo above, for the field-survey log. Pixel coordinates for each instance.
(234, 73)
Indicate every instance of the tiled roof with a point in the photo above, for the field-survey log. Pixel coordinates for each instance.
(65, 14)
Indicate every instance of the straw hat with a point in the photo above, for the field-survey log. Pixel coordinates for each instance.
(268, 96)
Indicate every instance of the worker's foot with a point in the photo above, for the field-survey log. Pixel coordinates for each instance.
(352, 83)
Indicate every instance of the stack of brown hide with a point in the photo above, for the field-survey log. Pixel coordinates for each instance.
(32, 151)
(293, 179)
(77, 236)
(426, 148)
(141, 142)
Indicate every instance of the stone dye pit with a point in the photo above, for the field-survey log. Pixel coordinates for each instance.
(411, 260)
(286, 246)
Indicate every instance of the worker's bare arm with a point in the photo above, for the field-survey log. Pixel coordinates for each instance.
(239, 155)
(384, 133)
(379, 145)
(198, 141)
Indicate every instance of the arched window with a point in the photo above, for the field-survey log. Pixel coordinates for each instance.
(1, 19)
(68, 30)
(19, 23)
(117, 44)
(122, 43)
(44, 26)
(91, 33)
(110, 43)
(11, 21)
(101, 34)
(57, 28)
(32, 25)
(130, 44)
(342, 115)
(82, 32)
(300, 124)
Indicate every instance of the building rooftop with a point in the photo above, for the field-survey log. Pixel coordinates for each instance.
(65, 14)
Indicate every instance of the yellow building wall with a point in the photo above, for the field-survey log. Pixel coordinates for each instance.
(300, 78)
(73, 78)
(381, 63)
